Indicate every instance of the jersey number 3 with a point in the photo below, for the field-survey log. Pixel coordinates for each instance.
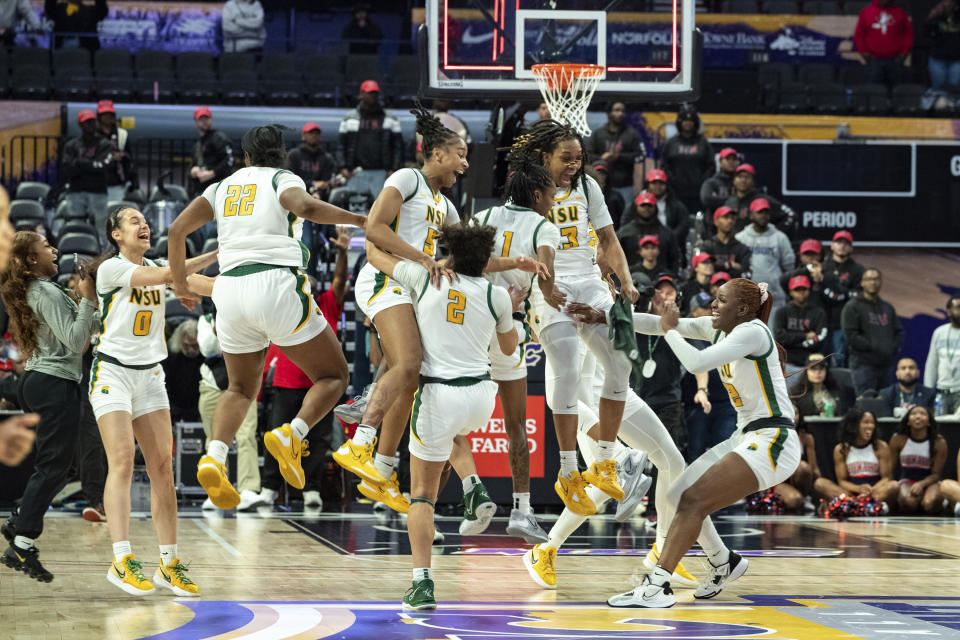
(455, 307)
(239, 200)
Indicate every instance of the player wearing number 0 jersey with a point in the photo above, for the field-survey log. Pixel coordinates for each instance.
(129, 397)
(262, 296)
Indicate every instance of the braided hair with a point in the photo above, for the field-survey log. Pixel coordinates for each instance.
(265, 146)
(435, 135)
(525, 178)
(544, 136)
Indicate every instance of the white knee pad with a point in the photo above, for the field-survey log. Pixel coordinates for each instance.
(562, 381)
(616, 366)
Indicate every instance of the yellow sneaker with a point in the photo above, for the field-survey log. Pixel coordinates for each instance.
(387, 493)
(540, 563)
(572, 491)
(128, 575)
(358, 459)
(603, 475)
(173, 577)
(213, 478)
(288, 450)
(680, 578)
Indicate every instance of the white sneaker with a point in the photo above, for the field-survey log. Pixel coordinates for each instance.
(525, 525)
(268, 496)
(208, 505)
(353, 412)
(635, 484)
(312, 499)
(248, 500)
(646, 596)
(720, 576)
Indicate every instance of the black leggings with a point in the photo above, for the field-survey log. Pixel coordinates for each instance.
(57, 400)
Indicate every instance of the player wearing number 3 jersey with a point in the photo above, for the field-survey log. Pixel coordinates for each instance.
(129, 397)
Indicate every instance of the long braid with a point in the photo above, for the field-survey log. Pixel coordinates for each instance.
(433, 132)
(544, 136)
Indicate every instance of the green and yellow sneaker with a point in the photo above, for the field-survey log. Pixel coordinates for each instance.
(478, 511)
(419, 596)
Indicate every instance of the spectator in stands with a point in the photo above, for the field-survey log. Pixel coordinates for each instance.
(72, 18)
(688, 158)
(920, 451)
(370, 145)
(809, 266)
(212, 153)
(182, 369)
(614, 201)
(311, 162)
(702, 266)
(943, 28)
(841, 281)
(799, 326)
(943, 359)
(798, 488)
(818, 392)
(670, 210)
(717, 188)
(619, 146)
(646, 223)
(213, 383)
(884, 37)
(120, 173)
(744, 194)
(11, 13)
(543, 112)
(86, 161)
(649, 258)
(362, 34)
(906, 393)
(243, 29)
(770, 251)
(717, 280)
(730, 255)
(874, 334)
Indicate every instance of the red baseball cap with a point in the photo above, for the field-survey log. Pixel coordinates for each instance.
(799, 282)
(746, 167)
(700, 257)
(843, 235)
(656, 174)
(646, 198)
(85, 115)
(649, 239)
(6, 364)
(666, 278)
(105, 106)
(201, 112)
(810, 246)
(760, 204)
(600, 166)
(370, 86)
(723, 211)
(720, 276)
(311, 126)
(728, 151)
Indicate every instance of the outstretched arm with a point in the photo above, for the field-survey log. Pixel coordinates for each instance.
(198, 213)
(304, 205)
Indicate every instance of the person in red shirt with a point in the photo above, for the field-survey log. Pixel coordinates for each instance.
(290, 385)
(884, 37)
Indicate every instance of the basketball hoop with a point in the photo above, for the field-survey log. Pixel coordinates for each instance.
(567, 90)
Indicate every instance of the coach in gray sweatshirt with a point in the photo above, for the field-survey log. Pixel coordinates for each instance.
(770, 251)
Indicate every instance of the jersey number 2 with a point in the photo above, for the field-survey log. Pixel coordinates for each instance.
(239, 200)
(455, 307)
(141, 323)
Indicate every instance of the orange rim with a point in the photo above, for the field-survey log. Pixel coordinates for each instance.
(559, 75)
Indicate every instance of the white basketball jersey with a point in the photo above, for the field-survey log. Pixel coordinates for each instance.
(423, 211)
(252, 225)
(578, 213)
(131, 318)
(756, 384)
(457, 321)
(520, 232)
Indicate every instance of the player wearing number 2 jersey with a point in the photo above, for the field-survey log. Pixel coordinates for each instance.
(129, 397)
(262, 296)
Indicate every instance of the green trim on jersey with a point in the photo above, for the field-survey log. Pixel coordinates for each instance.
(417, 188)
(766, 383)
(769, 349)
(776, 447)
(423, 289)
(416, 414)
(94, 374)
(716, 336)
(379, 284)
(462, 381)
(276, 178)
(304, 298)
(535, 233)
(249, 269)
(488, 210)
(106, 301)
(432, 192)
(490, 302)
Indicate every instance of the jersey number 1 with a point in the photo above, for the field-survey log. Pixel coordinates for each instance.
(455, 307)
(239, 200)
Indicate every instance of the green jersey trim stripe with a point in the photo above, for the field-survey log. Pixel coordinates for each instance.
(776, 446)
(417, 188)
(766, 385)
(416, 414)
(423, 289)
(304, 298)
(716, 336)
(490, 302)
(432, 192)
(486, 217)
(380, 282)
(94, 374)
(249, 269)
(769, 345)
(105, 304)
(463, 381)
(536, 232)
(276, 178)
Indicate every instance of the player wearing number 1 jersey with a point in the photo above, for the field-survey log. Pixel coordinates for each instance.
(262, 296)
(129, 397)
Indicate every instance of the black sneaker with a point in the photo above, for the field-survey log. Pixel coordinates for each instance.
(26, 561)
(9, 530)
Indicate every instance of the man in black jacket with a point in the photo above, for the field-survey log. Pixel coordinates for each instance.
(745, 192)
(311, 162)
(86, 161)
(121, 173)
(646, 223)
(688, 158)
(670, 210)
(906, 393)
(730, 255)
(716, 189)
(370, 144)
(212, 153)
(799, 326)
(620, 147)
(841, 282)
(72, 18)
(874, 334)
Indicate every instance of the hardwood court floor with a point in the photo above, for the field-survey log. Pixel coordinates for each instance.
(282, 575)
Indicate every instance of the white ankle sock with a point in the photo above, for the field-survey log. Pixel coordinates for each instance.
(168, 553)
(121, 549)
(720, 557)
(568, 462)
(22, 542)
(364, 435)
(423, 573)
(368, 392)
(299, 428)
(521, 501)
(660, 576)
(470, 482)
(384, 464)
(605, 449)
(217, 450)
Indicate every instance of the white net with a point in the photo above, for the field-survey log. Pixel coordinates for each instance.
(567, 89)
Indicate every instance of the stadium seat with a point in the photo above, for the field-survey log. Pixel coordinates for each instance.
(30, 58)
(741, 6)
(66, 212)
(905, 100)
(869, 99)
(73, 85)
(112, 62)
(815, 73)
(233, 62)
(240, 87)
(278, 63)
(20, 209)
(362, 68)
(82, 243)
(77, 60)
(403, 79)
(66, 265)
(823, 7)
(122, 203)
(209, 245)
(781, 7)
(851, 74)
(194, 62)
(828, 98)
(30, 83)
(155, 85)
(169, 192)
(27, 224)
(770, 77)
(147, 61)
(197, 86)
(32, 191)
(77, 226)
(283, 88)
(792, 97)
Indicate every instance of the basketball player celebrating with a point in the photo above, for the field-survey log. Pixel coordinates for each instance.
(763, 451)
(129, 397)
(577, 211)
(262, 296)
(522, 230)
(455, 394)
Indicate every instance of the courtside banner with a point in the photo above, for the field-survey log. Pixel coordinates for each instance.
(491, 446)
